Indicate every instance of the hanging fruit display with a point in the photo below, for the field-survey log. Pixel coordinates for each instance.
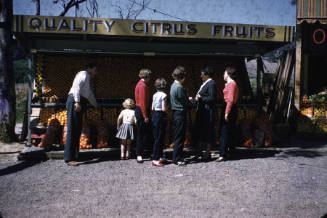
(116, 79)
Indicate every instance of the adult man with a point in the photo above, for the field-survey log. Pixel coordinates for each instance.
(76, 105)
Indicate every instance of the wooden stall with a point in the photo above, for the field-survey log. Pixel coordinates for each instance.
(60, 46)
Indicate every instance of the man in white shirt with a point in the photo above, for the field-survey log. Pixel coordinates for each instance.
(76, 105)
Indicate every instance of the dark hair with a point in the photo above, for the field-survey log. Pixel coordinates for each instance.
(208, 71)
(179, 73)
(90, 65)
(231, 71)
(160, 83)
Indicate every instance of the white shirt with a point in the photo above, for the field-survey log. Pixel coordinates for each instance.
(128, 116)
(81, 87)
(203, 84)
(158, 97)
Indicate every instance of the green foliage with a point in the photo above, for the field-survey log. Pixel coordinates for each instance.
(318, 98)
(21, 70)
(4, 135)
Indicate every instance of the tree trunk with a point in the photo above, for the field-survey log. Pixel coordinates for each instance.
(7, 85)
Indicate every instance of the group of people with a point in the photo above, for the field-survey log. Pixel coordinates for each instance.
(135, 123)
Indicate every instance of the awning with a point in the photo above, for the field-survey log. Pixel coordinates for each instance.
(312, 11)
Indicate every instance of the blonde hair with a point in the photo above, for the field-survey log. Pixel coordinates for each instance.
(129, 103)
(144, 73)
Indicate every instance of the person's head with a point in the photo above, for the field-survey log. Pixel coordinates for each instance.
(91, 68)
(145, 74)
(160, 83)
(206, 73)
(179, 73)
(230, 72)
(129, 103)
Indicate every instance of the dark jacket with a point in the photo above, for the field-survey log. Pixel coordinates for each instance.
(208, 98)
(206, 111)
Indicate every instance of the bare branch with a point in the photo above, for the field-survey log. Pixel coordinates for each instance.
(119, 10)
(37, 4)
(133, 9)
(71, 3)
(92, 8)
(130, 10)
(145, 3)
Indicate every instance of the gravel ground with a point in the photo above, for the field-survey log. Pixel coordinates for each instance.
(291, 182)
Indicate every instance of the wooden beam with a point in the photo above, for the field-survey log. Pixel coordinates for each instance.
(297, 80)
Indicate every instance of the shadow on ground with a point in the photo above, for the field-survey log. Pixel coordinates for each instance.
(18, 167)
(304, 142)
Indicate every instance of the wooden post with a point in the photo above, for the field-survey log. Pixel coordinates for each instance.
(30, 96)
(260, 71)
(297, 79)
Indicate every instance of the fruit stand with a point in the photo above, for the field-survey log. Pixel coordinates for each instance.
(310, 87)
(59, 48)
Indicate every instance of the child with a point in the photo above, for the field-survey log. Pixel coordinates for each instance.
(179, 104)
(159, 121)
(126, 127)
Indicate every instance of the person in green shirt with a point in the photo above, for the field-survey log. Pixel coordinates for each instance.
(179, 104)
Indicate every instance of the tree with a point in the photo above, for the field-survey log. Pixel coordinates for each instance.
(7, 84)
(130, 10)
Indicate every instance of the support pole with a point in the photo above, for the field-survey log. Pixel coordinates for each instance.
(297, 79)
(29, 99)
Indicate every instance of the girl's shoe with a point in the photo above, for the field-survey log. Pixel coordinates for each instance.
(157, 164)
(127, 158)
(139, 159)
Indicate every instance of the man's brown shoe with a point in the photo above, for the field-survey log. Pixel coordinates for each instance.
(72, 163)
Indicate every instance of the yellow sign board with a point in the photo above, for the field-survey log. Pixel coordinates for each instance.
(146, 28)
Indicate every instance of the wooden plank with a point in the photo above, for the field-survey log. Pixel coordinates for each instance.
(297, 85)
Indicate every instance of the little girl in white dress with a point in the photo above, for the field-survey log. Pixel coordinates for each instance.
(126, 127)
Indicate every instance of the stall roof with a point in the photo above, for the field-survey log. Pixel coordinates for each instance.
(311, 11)
(147, 37)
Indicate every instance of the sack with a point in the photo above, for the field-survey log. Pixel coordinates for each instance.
(85, 139)
(103, 135)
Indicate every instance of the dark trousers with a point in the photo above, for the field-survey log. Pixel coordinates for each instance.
(74, 128)
(227, 130)
(142, 130)
(179, 118)
(159, 124)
